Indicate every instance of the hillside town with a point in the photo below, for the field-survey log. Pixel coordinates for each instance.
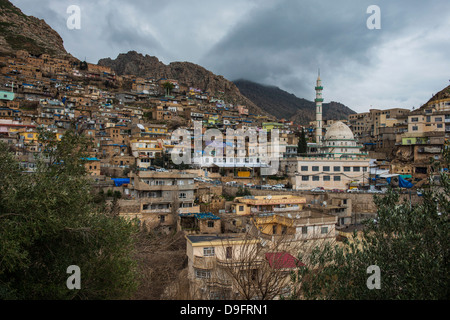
(322, 187)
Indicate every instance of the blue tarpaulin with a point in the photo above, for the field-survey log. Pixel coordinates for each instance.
(402, 183)
(120, 182)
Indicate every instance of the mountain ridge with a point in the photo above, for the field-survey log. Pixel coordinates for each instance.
(285, 105)
(187, 73)
(21, 32)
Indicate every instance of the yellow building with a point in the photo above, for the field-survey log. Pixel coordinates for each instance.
(269, 126)
(145, 150)
(28, 137)
(265, 204)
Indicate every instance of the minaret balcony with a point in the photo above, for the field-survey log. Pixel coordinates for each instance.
(319, 100)
(319, 88)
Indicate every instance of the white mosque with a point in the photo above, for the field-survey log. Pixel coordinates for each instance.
(337, 163)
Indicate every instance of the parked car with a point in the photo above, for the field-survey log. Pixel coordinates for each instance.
(231, 183)
(266, 186)
(354, 190)
(337, 190)
(249, 185)
(318, 189)
(278, 187)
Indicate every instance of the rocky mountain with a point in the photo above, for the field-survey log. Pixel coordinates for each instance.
(443, 94)
(189, 74)
(21, 32)
(285, 105)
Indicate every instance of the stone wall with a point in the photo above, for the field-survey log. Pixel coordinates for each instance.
(362, 204)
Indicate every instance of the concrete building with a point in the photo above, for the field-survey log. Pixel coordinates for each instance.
(338, 163)
(244, 206)
(157, 198)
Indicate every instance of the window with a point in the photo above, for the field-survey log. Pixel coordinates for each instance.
(337, 178)
(438, 119)
(326, 178)
(209, 252)
(326, 169)
(210, 224)
(304, 230)
(356, 169)
(305, 178)
(315, 168)
(202, 274)
(305, 168)
(439, 125)
(414, 119)
(347, 169)
(324, 230)
(241, 208)
(182, 195)
(415, 128)
(316, 178)
(229, 253)
(337, 169)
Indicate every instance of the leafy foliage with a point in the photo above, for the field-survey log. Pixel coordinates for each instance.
(302, 143)
(243, 192)
(409, 243)
(49, 221)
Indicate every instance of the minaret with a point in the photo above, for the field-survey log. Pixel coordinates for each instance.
(319, 101)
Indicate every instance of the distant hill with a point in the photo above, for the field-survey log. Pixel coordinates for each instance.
(187, 73)
(21, 32)
(285, 105)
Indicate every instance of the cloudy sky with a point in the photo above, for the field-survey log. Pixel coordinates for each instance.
(276, 42)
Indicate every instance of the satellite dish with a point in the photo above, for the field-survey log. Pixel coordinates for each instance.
(269, 197)
(140, 126)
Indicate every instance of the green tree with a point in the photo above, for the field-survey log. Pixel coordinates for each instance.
(409, 243)
(50, 221)
(302, 143)
(242, 192)
(83, 65)
(168, 87)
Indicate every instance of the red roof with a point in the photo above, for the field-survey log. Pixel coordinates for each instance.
(283, 260)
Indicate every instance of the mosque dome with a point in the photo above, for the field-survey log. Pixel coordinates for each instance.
(339, 131)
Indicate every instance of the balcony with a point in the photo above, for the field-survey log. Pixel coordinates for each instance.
(204, 262)
(288, 209)
(157, 211)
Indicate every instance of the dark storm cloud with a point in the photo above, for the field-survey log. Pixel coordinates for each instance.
(277, 42)
(286, 43)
